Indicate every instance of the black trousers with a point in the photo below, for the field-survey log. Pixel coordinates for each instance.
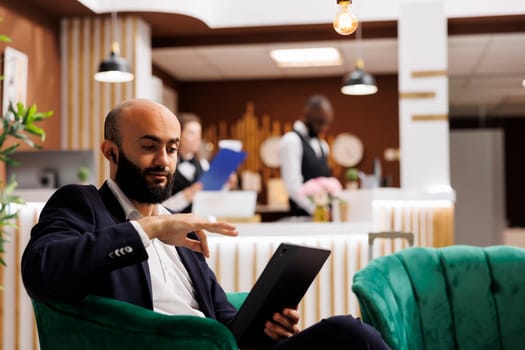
(338, 332)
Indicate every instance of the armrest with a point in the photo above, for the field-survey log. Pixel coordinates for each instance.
(237, 298)
(104, 323)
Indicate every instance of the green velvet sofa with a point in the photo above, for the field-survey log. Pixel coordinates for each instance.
(102, 323)
(457, 297)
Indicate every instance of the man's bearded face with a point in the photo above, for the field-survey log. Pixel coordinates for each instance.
(133, 182)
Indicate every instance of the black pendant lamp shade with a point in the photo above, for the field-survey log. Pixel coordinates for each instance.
(359, 82)
(114, 69)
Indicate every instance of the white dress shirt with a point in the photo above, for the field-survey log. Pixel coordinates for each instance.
(171, 284)
(291, 156)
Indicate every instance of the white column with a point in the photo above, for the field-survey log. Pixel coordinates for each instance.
(142, 54)
(423, 96)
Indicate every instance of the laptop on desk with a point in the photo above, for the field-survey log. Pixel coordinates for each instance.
(225, 204)
(282, 284)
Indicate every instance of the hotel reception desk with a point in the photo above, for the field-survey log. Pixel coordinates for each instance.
(238, 261)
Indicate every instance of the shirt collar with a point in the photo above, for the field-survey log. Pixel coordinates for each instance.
(129, 209)
(301, 128)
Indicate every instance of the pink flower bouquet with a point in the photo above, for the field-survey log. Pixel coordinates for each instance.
(321, 190)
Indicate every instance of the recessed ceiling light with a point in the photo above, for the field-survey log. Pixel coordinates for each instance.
(308, 57)
(523, 83)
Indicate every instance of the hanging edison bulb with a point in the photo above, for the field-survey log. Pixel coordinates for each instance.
(345, 22)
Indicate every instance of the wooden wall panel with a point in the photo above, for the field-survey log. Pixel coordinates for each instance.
(38, 37)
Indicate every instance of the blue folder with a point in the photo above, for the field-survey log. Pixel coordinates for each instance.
(221, 167)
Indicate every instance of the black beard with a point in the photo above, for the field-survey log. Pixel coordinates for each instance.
(132, 181)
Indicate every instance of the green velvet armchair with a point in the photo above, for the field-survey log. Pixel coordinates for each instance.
(458, 297)
(102, 323)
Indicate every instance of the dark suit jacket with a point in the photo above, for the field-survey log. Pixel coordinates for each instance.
(83, 245)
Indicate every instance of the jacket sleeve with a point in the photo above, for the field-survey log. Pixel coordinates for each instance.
(75, 244)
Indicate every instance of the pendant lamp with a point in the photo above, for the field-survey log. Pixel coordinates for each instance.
(359, 82)
(345, 22)
(114, 69)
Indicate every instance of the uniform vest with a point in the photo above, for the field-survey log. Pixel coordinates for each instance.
(311, 167)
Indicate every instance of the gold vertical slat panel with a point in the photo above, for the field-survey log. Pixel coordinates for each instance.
(17, 327)
(82, 61)
(429, 225)
(346, 281)
(93, 68)
(70, 82)
(429, 117)
(417, 238)
(429, 73)
(36, 344)
(317, 284)
(332, 279)
(236, 274)
(87, 79)
(103, 97)
(123, 46)
(443, 227)
(392, 219)
(132, 30)
(15, 241)
(2, 312)
(417, 94)
(254, 266)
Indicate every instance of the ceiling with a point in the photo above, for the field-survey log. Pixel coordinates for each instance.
(485, 70)
(486, 59)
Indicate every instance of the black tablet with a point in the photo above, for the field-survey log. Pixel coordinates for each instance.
(283, 283)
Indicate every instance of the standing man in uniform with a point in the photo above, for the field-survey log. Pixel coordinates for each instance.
(303, 154)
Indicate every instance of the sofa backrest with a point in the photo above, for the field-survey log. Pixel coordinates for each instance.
(458, 297)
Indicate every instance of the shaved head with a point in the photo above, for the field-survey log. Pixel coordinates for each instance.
(113, 118)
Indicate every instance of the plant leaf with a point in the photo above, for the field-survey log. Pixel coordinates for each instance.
(42, 115)
(10, 150)
(35, 130)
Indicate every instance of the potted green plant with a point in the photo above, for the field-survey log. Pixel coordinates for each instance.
(352, 179)
(83, 174)
(18, 124)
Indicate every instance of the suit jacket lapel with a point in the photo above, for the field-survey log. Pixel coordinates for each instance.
(112, 204)
(115, 209)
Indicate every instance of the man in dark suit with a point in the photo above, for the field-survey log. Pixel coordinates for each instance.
(118, 241)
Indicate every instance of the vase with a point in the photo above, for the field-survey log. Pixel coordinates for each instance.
(321, 213)
(352, 185)
(344, 211)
